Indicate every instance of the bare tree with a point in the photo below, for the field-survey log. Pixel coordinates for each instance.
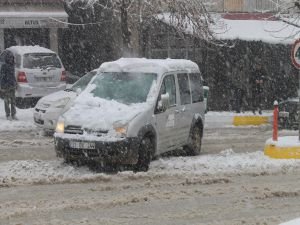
(184, 15)
(289, 12)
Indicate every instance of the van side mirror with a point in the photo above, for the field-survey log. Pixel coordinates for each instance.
(164, 102)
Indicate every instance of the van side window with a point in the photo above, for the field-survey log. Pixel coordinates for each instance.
(184, 89)
(168, 86)
(196, 87)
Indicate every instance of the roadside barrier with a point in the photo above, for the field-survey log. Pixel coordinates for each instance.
(283, 147)
(250, 120)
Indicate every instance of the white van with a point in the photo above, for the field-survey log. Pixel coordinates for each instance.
(39, 72)
(133, 110)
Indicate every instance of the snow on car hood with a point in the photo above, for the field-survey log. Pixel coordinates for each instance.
(56, 96)
(94, 113)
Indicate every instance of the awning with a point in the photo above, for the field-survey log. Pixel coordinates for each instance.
(33, 16)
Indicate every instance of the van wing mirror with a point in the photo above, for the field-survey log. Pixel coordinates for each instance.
(164, 102)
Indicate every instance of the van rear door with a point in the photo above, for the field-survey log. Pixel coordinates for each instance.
(42, 69)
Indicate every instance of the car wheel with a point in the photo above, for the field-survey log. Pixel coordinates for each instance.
(194, 147)
(146, 149)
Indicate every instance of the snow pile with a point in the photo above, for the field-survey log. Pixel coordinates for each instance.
(225, 163)
(42, 172)
(25, 121)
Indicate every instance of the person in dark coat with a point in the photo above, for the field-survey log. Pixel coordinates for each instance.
(257, 82)
(8, 85)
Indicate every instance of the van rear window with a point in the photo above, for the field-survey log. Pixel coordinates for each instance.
(41, 61)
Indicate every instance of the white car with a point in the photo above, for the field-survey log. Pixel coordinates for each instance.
(49, 108)
(39, 72)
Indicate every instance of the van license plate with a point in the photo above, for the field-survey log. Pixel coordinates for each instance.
(82, 145)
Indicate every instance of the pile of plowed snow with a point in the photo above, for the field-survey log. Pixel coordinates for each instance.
(225, 163)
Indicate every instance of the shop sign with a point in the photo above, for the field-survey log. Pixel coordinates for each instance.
(32, 23)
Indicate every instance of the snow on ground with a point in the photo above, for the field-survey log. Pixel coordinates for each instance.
(225, 163)
(292, 222)
(286, 141)
(25, 121)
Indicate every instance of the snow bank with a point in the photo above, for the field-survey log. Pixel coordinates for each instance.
(25, 121)
(225, 163)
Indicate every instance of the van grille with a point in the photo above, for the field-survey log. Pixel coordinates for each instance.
(79, 130)
(73, 130)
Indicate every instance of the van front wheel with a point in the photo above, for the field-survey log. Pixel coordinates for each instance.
(145, 155)
(194, 147)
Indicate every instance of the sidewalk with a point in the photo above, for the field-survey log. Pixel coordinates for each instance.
(229, 119)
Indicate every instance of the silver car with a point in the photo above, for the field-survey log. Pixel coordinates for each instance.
(39, 72)
(133, 110)
(49, 108)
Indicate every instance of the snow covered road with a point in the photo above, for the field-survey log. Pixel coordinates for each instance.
(230, 183)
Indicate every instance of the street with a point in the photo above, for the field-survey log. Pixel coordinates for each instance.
(231, 182)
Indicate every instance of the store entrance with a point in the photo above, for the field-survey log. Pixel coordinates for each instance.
(28, 36)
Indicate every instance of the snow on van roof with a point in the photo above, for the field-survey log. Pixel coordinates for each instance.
(158, 66)
(21, 50)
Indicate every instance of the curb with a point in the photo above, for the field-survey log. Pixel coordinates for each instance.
(251, 120)
(276, 152)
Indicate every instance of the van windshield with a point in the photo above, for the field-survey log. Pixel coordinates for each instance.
(41, 61)
(126, 88)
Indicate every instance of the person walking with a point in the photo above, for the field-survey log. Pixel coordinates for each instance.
(238, 85)
(8, 84)
(257, 82)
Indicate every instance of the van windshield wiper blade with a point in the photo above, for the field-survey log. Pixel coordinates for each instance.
(69, 89)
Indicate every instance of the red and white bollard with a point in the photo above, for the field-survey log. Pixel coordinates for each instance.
(275, 121)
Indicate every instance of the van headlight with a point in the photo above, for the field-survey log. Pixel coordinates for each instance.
(120, 129)
(60, 126)
(61, 103)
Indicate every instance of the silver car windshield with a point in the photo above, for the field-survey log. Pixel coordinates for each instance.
(126, 88)
(41, 61)
(83, 81)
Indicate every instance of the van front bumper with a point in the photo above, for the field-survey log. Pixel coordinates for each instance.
(123, 151)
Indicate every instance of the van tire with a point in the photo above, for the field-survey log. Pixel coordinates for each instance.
(195, 143)
(144, 155)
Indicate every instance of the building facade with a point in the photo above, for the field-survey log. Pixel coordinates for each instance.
(31, 22)
(244, 5)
